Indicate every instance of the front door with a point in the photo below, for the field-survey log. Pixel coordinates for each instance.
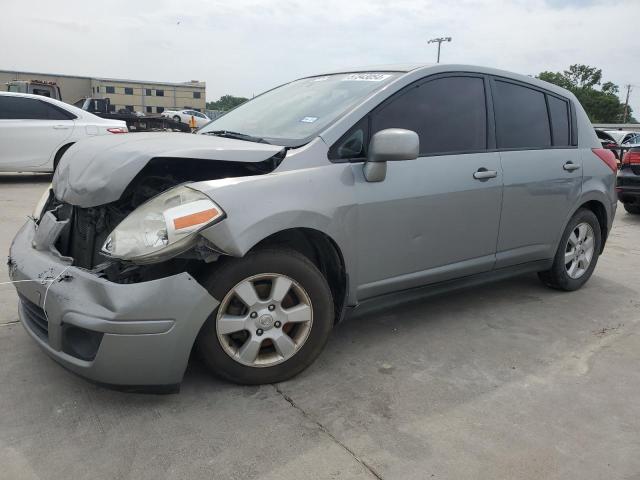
(437, 217)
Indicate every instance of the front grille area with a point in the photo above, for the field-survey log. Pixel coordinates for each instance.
(86, 230)
(76, 341)
(35, 318)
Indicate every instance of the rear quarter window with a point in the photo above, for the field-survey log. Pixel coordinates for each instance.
(559, 113)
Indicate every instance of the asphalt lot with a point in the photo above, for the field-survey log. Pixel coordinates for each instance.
(510, 380)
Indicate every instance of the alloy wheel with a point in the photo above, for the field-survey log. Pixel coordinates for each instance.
(264, 320)
(579, 250)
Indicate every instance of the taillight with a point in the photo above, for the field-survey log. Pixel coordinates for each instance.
(631, 158)
(607, 157)
(117, 130)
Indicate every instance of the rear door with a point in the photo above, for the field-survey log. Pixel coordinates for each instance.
(431, 219)
(541, 167)
(31, 131)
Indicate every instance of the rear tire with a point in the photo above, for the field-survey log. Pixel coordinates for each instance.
(632, 209)
(176, 118)
(223, 344)
(570, 269)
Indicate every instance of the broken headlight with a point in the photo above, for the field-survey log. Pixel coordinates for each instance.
(162, 227)
(37, 211)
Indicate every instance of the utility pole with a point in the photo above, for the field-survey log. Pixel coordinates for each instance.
(626, 105)
(439, 42)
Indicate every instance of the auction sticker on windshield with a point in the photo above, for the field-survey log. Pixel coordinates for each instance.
(366, 77)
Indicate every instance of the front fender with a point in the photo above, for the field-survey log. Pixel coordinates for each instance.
(318, 198)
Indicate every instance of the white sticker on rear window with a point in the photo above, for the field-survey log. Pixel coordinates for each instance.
(308, 119)
(366, 77)
(320, 79)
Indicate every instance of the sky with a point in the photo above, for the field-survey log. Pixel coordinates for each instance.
(243, 47)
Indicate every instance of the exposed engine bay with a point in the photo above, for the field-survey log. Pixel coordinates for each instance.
(89, 227)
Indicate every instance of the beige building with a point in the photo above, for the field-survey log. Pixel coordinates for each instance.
(136, 95)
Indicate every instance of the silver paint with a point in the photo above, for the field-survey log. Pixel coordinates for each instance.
(429, 220)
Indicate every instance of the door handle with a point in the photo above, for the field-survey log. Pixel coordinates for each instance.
(570, 166)
(483, 174)
(61, 127)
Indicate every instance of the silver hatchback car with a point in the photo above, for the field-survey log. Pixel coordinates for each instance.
(249, 240)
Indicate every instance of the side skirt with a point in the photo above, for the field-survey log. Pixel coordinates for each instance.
(390, 300)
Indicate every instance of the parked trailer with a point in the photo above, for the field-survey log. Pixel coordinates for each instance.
(135, 122)
(101, 107)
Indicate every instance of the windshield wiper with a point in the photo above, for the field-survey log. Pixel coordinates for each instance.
(236, 135)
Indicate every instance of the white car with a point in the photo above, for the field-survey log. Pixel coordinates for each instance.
(625, 138)
(184, 116)
(35, 131)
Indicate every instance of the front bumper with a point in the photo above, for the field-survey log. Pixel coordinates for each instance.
(120, 334)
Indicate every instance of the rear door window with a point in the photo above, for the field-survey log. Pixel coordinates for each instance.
(521, 116)
(448, 114)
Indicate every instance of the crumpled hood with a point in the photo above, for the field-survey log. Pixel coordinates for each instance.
(96, 171)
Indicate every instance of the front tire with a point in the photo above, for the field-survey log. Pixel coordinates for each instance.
(275, 315)
(577, 253)
(632, 209)
(176, 118)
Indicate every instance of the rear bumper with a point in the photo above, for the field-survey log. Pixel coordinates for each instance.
(121, 334)
(628, 186)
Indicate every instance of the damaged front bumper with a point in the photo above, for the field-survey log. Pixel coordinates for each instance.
(132, 335)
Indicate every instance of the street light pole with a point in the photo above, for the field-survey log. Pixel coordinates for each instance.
(439, 42)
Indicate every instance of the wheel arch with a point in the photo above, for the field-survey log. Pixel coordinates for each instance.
(59, 153)
(597, 204)
(600, 211)
(323, 251)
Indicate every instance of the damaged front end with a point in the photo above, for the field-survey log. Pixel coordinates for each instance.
(109, 319)
(88, 229)
(132, 335)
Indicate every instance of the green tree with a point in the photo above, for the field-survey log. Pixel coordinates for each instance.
(600, 100)
(226, 102)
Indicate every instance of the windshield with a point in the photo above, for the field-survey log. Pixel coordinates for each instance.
(292, 114)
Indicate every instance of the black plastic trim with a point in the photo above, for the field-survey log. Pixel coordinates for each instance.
(393, 299)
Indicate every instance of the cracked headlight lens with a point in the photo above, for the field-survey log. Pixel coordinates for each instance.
(162, 227)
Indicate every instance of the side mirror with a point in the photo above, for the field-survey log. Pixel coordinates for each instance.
(389, 145)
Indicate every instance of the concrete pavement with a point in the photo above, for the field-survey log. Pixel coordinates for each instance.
(510, 380)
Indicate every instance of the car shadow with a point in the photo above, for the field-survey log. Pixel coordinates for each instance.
(363, 343)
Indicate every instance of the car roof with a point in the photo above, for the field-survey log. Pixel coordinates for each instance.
(392, 67)
(420, 69)
(31, 95)
(44, 98)
(64, 105)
